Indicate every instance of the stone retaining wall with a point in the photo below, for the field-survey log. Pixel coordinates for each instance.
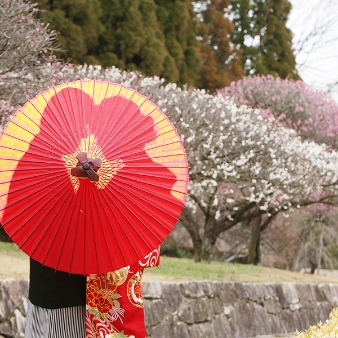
(204, 309)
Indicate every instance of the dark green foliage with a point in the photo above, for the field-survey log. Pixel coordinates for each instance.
(155, 37)
(168, 39)
(221, 59)
(262, 35)
(79, 25)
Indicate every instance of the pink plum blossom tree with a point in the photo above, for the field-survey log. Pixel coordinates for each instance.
(311, 114)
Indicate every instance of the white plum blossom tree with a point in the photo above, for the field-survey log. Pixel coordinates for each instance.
(242, 167)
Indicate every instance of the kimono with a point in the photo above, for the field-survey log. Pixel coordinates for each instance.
(114, 306)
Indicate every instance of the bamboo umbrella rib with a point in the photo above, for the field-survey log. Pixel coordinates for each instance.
(73, 142)
(147, 227)
(135, 136)
(135, 111)
(53, 179)
(175, 179)
(51, 126)
(64, 198)
(23, 197)
(136, 145)
(98, 122)
(121, 226)
(117, 178)
(41, 205)
(147, 201)
(111, 227)
(103, 230)
(128, 129)
(55, 127)
(78, 197)
(108, 117)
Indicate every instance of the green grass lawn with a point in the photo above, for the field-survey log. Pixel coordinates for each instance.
(11, 250)
(181, 269)
(14, 263)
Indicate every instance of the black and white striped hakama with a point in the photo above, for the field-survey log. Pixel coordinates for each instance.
(68, 322)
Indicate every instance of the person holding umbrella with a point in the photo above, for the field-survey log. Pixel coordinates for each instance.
(93, 177)
(69, 305)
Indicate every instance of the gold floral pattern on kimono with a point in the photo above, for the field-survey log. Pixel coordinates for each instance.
(114, 306)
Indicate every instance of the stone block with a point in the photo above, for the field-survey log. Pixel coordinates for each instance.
(185, 313)
(258, 314)
(287, 294)
(151, 290)
(216, 305)
(201, 310)
(317, 293)
(241, 291)
(330, 291)
(172, 297)
(153, 312)
(274, 323)
(18, 323)
(226, 292)
(13, 294)
(181, 330)
(304, 293)
(170, 318)
(163, 330)
(289, 321)
(271, 306)
(270, 291)
(324, 309)
(221, 327)
(241, 320)
(252, 292)
(197, 289)
(202, 330)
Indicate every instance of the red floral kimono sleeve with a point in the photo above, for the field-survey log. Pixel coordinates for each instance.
(114, 306)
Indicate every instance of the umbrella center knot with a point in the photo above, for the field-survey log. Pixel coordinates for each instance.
(85, 166)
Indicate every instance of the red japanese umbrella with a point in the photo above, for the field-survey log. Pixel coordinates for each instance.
(93, 176)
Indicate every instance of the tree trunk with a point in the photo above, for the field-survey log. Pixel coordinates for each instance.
(197, 251)
(320, 249)
(254, 255)
(203, 250)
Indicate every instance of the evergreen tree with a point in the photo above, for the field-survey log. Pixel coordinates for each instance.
(221, 59)
(154, 36)
(262, 34)
(79, 26)
(179, 25)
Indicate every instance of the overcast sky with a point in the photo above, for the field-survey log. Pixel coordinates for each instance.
(315, 22)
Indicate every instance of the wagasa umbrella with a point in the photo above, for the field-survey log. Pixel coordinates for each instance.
(93, 176)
